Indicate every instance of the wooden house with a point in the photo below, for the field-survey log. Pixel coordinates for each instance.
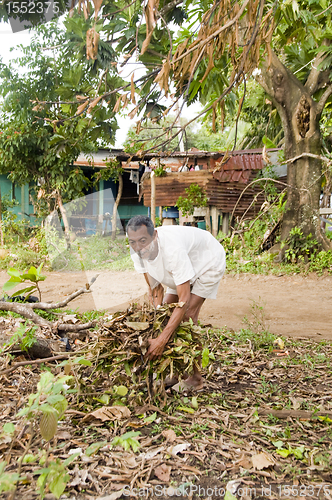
(222, 178)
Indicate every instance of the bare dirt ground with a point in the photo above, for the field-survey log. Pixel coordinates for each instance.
(299, 306)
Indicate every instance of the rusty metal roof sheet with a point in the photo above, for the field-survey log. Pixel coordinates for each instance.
(223, 195)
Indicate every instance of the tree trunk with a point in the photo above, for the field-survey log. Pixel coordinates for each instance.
(64, 218)
(300, 120)
(115, 207)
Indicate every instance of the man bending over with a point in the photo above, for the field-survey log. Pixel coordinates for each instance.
(189, 261)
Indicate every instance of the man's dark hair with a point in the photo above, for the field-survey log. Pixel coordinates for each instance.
(141, 220)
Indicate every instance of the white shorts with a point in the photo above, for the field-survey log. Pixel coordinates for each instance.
(206, 285)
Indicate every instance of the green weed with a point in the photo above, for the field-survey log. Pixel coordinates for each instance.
(24, 337)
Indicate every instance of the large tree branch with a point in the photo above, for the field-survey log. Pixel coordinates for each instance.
(26, 310)
(317, 79)
(323, 100)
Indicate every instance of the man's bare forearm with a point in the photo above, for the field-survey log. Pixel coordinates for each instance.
(173, 322)
(178, 314)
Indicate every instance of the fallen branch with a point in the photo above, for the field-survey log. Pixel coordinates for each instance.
(65, 327)
(296, 413)
(45, 306)
(26, 310)
(33, 362)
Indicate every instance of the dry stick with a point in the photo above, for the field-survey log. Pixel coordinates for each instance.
(291, 160)
(35, 362)
(254, 182)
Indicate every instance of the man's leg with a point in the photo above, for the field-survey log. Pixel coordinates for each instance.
(194, 306)
(170, 298)
(195, 380)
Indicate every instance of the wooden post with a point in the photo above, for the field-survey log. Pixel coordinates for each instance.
(225, 223)
(153, 198)
(207, 219)
(64, 218)
(115, 206)
(215, 217)
(100, 206)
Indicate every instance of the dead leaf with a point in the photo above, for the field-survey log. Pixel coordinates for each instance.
(94, 103)
(169, 435)
(262, 461)
(179, 448)
(92, 40)
(81, 108)
(137, 325)
(152, 453)
(65, 435)
(132, 89)
(117, 104)
(279, 343)
(81, 477)
(107, 413)
(245, 462)
(69, 318)
(97, 4)
(297, 402)
(163, 472)
(151, 19)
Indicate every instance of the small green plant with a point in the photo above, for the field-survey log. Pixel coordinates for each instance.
(320, 262)
(55, 476)
(299, 452)
(256, 322)
(33, 276)
(45, 407)
(160, 171)
(195, 198)
(24, 337)
(158, 222)
(299, 246)
(8, 480)
(49, 401)
(127, 441)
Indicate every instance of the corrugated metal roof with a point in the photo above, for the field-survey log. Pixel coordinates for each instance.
(99, 158)
(237, 168)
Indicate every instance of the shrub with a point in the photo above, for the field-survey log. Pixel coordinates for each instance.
(320, 262)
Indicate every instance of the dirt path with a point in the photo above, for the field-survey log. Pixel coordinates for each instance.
(292, 305)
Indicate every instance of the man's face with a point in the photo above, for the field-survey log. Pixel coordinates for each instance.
(142, 243)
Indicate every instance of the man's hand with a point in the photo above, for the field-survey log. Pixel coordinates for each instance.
(156, 348)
